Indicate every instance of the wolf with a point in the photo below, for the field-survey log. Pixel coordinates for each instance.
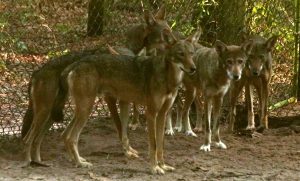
(152, 82)
(46, 105)
(217, 67)
(257, 74)
(153, 28)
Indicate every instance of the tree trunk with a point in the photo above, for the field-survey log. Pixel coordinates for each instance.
(230, 17)
(96, 15)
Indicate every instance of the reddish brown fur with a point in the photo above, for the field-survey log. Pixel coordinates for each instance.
(216, 68)
(44, 110)
(152, 82)
(257, 74)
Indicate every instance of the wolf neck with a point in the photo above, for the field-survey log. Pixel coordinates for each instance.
(174, 75)
(221, 76)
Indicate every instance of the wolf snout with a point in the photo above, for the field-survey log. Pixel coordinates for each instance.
(192, 70)
(236, 77)
(255, 72)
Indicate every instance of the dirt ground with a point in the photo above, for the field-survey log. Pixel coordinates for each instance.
(275, 155)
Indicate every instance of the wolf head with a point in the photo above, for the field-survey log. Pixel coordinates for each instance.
(233, 58)
(260, 56)
(182, 52)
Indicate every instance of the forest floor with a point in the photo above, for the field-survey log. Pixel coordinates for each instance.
(272, 155)
(28, 35)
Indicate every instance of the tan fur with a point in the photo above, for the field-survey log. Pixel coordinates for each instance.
(257, 74)
(152, 82)
(216, 68)
(47, 101)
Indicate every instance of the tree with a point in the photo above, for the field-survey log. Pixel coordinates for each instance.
(230, 18)
(96, 15)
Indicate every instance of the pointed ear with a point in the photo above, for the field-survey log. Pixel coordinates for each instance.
(150, 20)
(161, 13)
(194, 38)
(220, 47)
(247, 46)
(271, 42)
(143, 52)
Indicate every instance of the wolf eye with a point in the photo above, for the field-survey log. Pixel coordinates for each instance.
(229, 61)
(240, 61)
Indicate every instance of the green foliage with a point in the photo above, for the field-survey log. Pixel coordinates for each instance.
(53, 54)
(2, 66)
(62, 28)
(22, 47)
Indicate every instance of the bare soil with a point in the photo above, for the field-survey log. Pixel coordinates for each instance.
(273, 155)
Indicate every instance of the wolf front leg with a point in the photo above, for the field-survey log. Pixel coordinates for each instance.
(249, 102)
(151, 115)
(217, 103)
(262, 87)
(169, 127)
(234, 92)
(199, 112)
(190, 94)
(179, 111)
(207, 111)
(160, 127)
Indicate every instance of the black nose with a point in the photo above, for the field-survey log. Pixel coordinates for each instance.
(255, 73)
(193, 70)
(236, 77)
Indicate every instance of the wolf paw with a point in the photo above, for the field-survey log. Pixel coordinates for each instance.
(166, 167)
(169, 132)
(198, 129)
(131, 153)
(157, 170)
(190, 133)
(82, 159)
(250, 127)
(205, 148)
(221, 145)
(133, 150)
(178, 128)
(84, 164)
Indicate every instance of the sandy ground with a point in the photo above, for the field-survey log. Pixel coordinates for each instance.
(275, 155)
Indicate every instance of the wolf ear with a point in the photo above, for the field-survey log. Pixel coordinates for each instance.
(194, 38)
(271, 42)
(220, 47)
(247, 46)
(148, 16)
(161, 13)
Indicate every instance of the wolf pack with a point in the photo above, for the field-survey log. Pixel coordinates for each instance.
(156, 62)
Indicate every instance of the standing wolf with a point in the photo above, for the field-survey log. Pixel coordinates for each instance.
(152, 82)
(216, 68)
(258, 74)
(47, 102)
